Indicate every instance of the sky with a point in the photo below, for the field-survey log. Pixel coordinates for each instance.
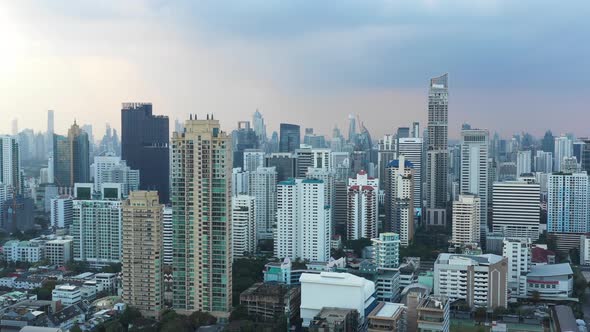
(513, 65)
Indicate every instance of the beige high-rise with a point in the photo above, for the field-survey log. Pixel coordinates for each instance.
(142, 252)
(201, 215)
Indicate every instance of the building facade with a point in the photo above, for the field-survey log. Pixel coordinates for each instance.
(362, 207)
(516, 209)
(243, 225)
(466, 220)
(399, 199)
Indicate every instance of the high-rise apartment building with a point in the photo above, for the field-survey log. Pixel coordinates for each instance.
(516, 209)
(10, 164)
(96, 228)
(253, 158)
(243, 225)
(385, 154)
(201, 205)
(262, 186)
(480, 280)
(244, 138)
(145, 146)
(399, 199)
(50, 131)
(290, 137)
(284, 163)
(466, 220)
(303, 220)
(362, 207)
(386, 251)
(567, 202)
(518, 252)
(61, 211)
(437, 163)
(142, 275)
(327, 176)
(523, 162)
(474, 170)
(563, 148)
(411, 148)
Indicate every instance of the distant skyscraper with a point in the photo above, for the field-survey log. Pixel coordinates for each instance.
(523, 162)
(385, 154)
(585, 164)
(201, 169)
(253, 159)
(50, 131)
(167, 237)
(145, 146)
(399, 199)
(262, 185)
(548, 142)
(563, 148)
(243, 219)
(285, 164)
(474, 170)
(142, 277)
(10, 164)
(412, 149)
(516, 209)
(567, 203)
(415, 129)
(544, 162)
(403, 132)
(71, 157)
(243, 138)
(259, 126)
(466, 220)
(437, 147)
(351, 129)
(362, 208)
(290, 137)
(111, 169)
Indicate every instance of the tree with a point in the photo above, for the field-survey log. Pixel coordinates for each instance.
(199, 318)
(76, 328)
(480, 314)
(499, 311)
(44, 292)
(112, 268)
(239, 313)
(535, 296)
(358, 245)
(129, 315)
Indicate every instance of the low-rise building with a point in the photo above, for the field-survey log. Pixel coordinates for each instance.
(389, 317)
(22, 251)
(335, 320)
(268, 301)
(67, 294)
(551, 281)
(332, 289)
(59, 252)
(433, 314)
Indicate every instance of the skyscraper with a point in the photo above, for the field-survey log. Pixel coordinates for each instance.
(567, 202)
(111, 169)
(284, 163)
(544, 162)
(399, 199)
(142, 260)
(259, 126)
(290, 137)
(144, 145)
(523, 162)
(243, 219)
(385, 154)
(437, 148)
(201, 204)
(548, 142)
(362, 208)
(243, 138)
(10, 164)
(253, 159)
(71, 157)
(50, 131)
(474, 170)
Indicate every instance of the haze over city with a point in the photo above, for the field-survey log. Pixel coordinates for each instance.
(511, 63)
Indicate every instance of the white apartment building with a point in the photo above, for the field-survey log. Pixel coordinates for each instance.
(243, 225)
(96, 229)
(61, 211)
(516, 209)
(328, 177)
(399, 199)
(66, 294)
(544, 162)
(386, 251)
(262, 186)
(523, 162)
(474, 170)
(332, 289)
(111, 169)
(59, 251)
(303, 220)
(10, 163)
(480, 280)
(22, 251)
(564, 147)
(466, 220)
(253, 159)
(518, 252)
(362, 207)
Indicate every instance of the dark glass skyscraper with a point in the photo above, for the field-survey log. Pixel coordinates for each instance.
(71, 160)
(290, 137)
(243, 138)
(145, 146)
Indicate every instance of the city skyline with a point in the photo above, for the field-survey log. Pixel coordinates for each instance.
(373, 63)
